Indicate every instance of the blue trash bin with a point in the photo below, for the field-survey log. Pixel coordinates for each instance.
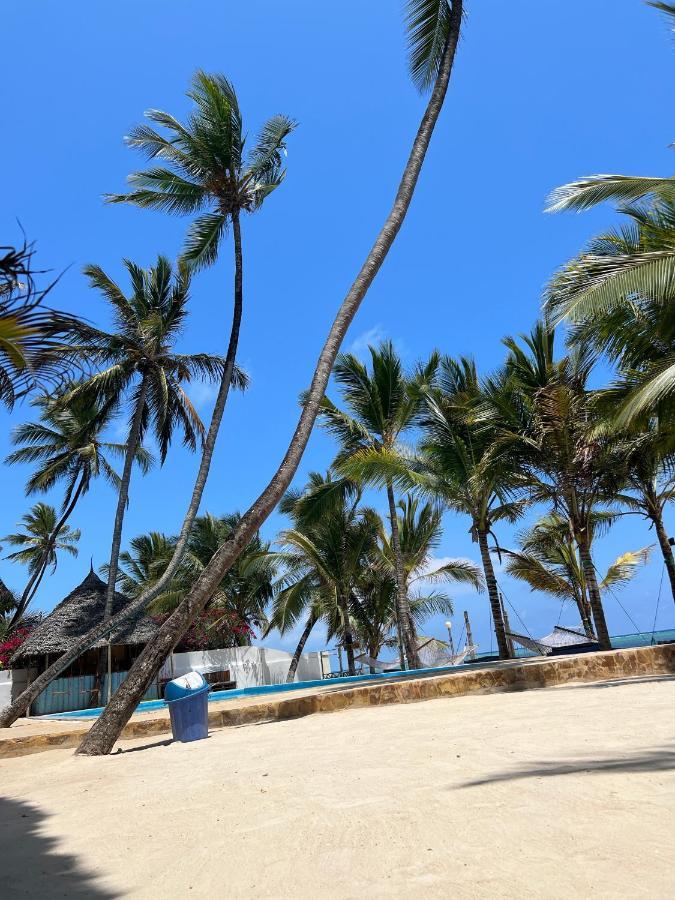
(188, 699)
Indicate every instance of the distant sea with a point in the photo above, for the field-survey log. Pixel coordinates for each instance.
(619, 641)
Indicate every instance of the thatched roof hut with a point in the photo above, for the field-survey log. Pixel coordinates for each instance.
(81, 610)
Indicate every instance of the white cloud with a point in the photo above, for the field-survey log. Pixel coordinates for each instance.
(373, 336)
(203, 393)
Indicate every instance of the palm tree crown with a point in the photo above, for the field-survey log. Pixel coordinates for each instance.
(139, 352)
(38, 525)
(206, 165)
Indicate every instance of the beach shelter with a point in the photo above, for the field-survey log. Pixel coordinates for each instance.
(81, 685)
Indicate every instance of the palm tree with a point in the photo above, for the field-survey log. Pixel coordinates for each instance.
(40, 545)
(646, 460)
(246, 588)
(465, 469)
(67, 446)
(32, 336)
(548, 561)
(374, 600)
(141, 365)
(143, 563)
(550, 423)
(382, 404)
(244, 592)
(620, 295)
(206, 169)
(332, 541)
(434, 34)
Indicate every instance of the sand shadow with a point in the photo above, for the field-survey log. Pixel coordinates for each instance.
(616, 682)
(31, 863)
(658, 760)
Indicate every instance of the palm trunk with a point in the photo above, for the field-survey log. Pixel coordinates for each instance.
(133, 443)
(667, 551)
(108, 727)
(405, 626)
(37, 576)
(293, 668)
(493, 594)
(585, 613)
(23, 701)
(593, 590)
(343, 605)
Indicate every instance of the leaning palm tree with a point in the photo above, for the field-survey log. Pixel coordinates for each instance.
(142, 368)
(67, 447)
(382, 404)
(434, 30)
(548, 561)
(39, 546)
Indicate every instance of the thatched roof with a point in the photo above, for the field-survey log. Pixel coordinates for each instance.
(81, 610)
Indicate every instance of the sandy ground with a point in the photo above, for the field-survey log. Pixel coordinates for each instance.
(565, 792)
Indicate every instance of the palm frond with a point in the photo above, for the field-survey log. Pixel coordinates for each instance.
(203, 239)
(428, 27)
(587, 192)
(625, 567)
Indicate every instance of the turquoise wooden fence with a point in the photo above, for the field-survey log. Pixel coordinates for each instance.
(68, 694)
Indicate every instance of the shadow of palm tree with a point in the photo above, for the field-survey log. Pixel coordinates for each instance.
(31, 863)
(657, 760)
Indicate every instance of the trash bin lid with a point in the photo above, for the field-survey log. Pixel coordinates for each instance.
(184, 685)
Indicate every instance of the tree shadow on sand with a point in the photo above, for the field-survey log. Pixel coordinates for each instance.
(658, 760)
(31, 865)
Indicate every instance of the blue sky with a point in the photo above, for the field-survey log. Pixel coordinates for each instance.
(542, 93)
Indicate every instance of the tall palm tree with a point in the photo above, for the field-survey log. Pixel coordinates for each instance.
(142, 367)
(548, 561)
(550, 423)
(381, 405)
(67, 446)
(205, 169)
(332, 541)
(40, 546)
(433, 37)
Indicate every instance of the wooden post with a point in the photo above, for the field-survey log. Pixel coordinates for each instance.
(469, 636)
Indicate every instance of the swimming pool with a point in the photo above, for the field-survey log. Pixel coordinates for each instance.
(217, 696)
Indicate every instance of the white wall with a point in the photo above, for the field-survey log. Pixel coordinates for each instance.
(249, 666)
(12, 683)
